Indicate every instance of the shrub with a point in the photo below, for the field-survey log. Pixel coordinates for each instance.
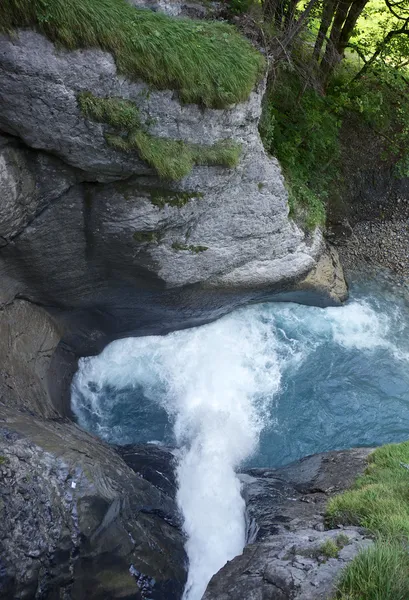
(303, 133)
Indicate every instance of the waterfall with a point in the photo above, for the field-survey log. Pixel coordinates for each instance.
(218, 385)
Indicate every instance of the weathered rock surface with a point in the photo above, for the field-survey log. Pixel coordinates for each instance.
(285, 559)
(82, 230)
(77, 522)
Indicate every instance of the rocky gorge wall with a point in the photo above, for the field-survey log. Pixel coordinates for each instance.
(94, 234)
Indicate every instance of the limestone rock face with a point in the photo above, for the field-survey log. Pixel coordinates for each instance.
(84, 225)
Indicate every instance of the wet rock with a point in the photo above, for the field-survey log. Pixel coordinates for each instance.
(286, 558)
(77, 521)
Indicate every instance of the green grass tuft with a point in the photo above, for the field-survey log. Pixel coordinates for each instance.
(209, 63)
(380, 572)
(117, 112)
(379, 499)
(172, 159)
(329, 549)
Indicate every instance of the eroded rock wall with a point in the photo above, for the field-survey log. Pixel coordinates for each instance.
(88, 228)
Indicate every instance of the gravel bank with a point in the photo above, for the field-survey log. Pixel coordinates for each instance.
(380, 242)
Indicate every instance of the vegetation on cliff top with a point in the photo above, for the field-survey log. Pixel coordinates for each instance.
(332, 63)
(209, 63)
(172, 159)
(378, 501)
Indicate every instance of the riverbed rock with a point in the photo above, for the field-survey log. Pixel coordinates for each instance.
(286, 558)
(77, 521)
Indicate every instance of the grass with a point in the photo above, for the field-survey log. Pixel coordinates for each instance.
(379, 499)
(117, 112)
(329, 549)
(380, 572)
(209, 63)
(172, 159)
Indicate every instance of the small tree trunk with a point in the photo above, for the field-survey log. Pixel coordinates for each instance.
(327, 16)
(290, 12)
(350, 22)
(331, 55)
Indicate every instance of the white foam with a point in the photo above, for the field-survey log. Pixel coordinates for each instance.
(213, 381)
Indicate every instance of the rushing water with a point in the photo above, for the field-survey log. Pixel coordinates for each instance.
(263, 386)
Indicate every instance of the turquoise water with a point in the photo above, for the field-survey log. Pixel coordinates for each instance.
(263, 386)
(342, 375)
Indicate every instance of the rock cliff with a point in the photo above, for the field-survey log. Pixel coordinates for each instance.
(124, 210)
(93, 231)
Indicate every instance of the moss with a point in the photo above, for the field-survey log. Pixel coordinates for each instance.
(162, 197)
(172, 159)
(3, 460)
(209, 63)
(191, 248)
(146, 237)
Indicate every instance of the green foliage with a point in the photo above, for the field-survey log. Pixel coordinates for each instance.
(191, 248)
(381, 98)
(209, 63)
(172, 159)
(238, 7)
(117, 112)
(329, 549)
(304, 135)
(379, 499)
(380, 572)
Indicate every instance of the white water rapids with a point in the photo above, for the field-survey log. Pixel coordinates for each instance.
(217, 383)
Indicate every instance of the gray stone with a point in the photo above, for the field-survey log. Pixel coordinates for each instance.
(285, 558)
(77, 522)
(242, 214)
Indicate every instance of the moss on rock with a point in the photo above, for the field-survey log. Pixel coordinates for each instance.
(172, 159)
(190, 247)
